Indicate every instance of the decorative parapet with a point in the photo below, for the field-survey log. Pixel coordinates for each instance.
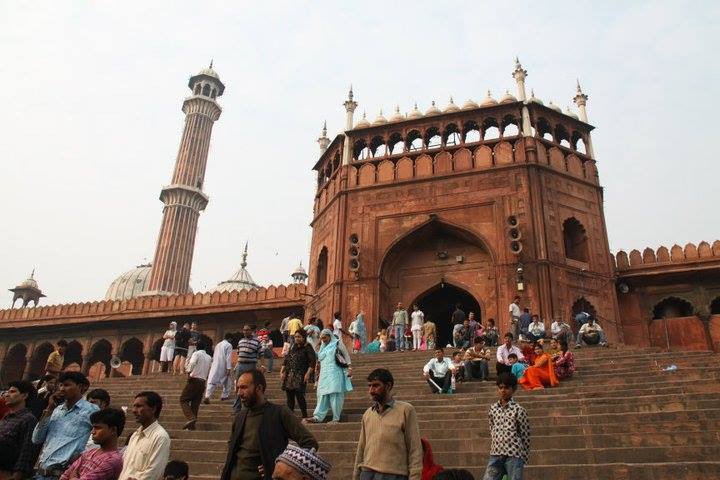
(663, 256)
(155, 306)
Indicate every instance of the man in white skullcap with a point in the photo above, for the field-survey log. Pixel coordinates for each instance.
(296, 463)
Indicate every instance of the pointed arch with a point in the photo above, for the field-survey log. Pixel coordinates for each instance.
(101, 351)
(13, 365)
(39, 359)
(131, 351)
(672, 307)
(322, 268)
(575, 240)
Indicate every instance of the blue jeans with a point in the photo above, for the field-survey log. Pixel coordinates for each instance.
(399, 331)
(499, 465)
(601, 336)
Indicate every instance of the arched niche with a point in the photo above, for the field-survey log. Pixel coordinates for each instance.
(13, 365)
(672, 307)
(132, 351)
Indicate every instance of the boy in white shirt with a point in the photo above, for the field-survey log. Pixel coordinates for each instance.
(438, 372)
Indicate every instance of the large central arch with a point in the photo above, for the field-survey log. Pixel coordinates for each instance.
(438, 304)
(437, 255)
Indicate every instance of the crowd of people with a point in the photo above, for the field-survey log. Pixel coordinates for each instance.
(54, 429)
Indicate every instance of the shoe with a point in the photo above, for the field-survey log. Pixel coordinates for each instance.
(222, 399)
(310, 420)
(190, 425)
(333, 422)
(577, 347)
(206, 401)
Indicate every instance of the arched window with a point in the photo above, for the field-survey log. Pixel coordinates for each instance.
(197, 89)
(511, 130)
(575, 240)
(213, 93)
(433, 139)
(396, 143)
(206, 90)
(672, 307)
(322, 267)
(491, 133)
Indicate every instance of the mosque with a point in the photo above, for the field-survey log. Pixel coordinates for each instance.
(473, 203)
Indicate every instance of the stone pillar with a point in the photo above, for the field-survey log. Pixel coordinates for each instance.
(146, 363)
(519, 74)
(350, 106)
(28, 366)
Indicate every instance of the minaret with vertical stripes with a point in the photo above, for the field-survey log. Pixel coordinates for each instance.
(184, 198)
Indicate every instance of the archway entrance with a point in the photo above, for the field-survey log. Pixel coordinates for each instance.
(438, 305)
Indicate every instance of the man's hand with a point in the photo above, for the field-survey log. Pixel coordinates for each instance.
(426, 375)
(261, 470)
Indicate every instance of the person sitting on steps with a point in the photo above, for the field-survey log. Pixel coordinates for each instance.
(503, 351)
(564, 362)
(438, 372)
(541, 374)
(536, 330)
(591, 333)
(516, 368)
(476, 360)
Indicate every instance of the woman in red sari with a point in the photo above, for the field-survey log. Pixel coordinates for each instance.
(541, 374)
(564, 361)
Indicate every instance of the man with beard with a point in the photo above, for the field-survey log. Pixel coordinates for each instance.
(260, 432)
(389, 445)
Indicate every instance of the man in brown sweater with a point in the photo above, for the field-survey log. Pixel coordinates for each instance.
(389, 445)
(260, 432)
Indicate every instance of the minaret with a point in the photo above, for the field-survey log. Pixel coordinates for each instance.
(519, 74)
(323, 141)
(580, 100)
(350, 106)
(184, 198)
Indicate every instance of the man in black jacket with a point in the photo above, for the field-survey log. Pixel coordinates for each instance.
(261, 432)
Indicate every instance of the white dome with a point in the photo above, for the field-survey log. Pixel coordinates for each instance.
(363, 122)
(469, 105)
(488, 101)
(130, 284)
(397, 117)
(415, 113)
(451, 107)
(433, 110)
(240, 281)
(209, 72)
(534, 99)
(380, 119)
(508, 98)
(554, 107)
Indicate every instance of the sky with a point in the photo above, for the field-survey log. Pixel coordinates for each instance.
(92, 92)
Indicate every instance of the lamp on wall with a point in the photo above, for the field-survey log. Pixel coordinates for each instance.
(520, 279)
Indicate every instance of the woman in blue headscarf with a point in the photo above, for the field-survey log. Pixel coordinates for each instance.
(361, 331)
(334, 380)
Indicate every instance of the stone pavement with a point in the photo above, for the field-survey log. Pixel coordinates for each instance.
(621, 417)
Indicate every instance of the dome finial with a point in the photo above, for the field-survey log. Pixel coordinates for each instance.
(324, 130)
(350, 93)
(244, 260)
(211, 63)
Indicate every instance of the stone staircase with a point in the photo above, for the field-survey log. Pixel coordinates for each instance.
(620, 417)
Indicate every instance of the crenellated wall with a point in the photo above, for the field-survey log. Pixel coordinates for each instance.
(670, 297)
(158, 304)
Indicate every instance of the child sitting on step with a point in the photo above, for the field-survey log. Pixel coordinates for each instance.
(516, 368)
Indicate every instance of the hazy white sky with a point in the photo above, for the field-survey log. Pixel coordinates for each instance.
(91, 95)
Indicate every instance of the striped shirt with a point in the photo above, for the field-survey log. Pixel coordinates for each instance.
(248, 350)
(96, 465)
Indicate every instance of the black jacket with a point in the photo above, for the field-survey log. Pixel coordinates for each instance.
(277, 427)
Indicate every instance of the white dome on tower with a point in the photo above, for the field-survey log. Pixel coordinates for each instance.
(130, 284)
(240, 281)
(451, 107)
(508, 97)
(415, 113)
(554, 107)
(363, 122)
(380, 119)
(433, 110)
(469, 105)
(397, 117)
(488, 101)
